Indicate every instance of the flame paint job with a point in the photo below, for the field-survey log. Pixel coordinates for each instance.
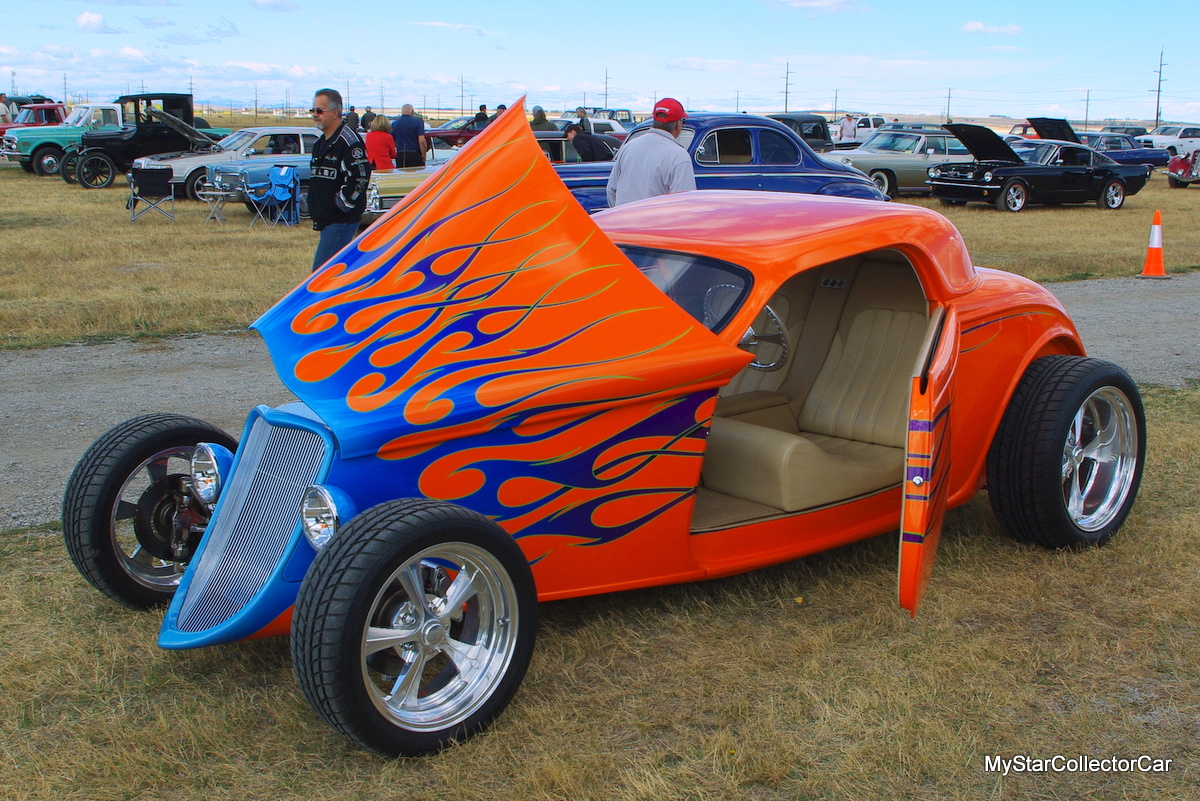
(486, 343)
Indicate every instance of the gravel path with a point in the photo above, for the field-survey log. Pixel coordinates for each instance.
(57, 401)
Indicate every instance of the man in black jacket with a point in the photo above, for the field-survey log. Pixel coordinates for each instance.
(337, 190)
(589, 146)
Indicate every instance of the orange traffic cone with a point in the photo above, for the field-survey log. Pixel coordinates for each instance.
(1154, 254)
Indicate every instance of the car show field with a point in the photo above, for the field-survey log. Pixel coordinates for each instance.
(799, 679)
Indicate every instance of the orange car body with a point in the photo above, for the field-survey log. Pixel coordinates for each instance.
(489, 344)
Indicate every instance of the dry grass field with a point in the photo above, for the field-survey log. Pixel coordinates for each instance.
(78, 271)
(802, 681)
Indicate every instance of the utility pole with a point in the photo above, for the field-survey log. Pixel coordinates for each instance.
(462, 107)
(606, 88)
(835, 94)
(737, 101)
(1158, 91)
(947, 104)
(66, 97)
(787, 83)
(256, 104)
(347, 100)
(1087, 106)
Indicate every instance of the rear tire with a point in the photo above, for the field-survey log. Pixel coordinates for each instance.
(70, 163)
(196, 183)
(96, 170)
(1064, 468)
(1112, 197)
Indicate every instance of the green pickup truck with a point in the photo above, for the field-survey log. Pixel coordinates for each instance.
(40, 150)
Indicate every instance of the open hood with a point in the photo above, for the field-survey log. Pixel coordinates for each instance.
(984, 143)
(1051, 128)
(487, 299)
(199, 141)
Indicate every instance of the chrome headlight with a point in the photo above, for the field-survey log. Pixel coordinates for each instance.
(210, 465)
(373, 198)
(935, 172)
(987, 177)
(141, 164)
(319, 515)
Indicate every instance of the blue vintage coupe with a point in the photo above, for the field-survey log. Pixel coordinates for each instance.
(737, 151)
(1124, 149)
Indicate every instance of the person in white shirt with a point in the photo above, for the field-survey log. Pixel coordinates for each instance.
(846, 128)
(653, 163)
(8, 113)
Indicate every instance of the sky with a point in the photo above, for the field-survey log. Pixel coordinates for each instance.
(1019, 58)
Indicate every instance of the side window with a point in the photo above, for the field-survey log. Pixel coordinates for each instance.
(108, 117)
(310, 141)
(1074, 157)
(956, 148)
(1124, 144)
(728, 146)
(776, 148)
(262, 146)
(936, 145)
(1190, 133)
(287, 143)
(602, 127)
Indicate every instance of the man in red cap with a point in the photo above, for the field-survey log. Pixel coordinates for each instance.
(653, 163)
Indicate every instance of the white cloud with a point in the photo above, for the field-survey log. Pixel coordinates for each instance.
(156, 22)
(1003, 30)
(87, 22)
(5, 50)
(180, 38)
(276, 5)
(223, 29)
(822, 6)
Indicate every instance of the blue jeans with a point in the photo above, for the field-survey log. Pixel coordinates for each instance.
(333, 238)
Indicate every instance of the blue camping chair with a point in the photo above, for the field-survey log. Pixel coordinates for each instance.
(276, 200)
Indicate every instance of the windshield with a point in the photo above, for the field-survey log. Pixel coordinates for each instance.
(77, 115)
(26, 115)
(1032, 151)
(236, 140)
(454, 125)
(1166, 130)
(892, 142)
(709, 290)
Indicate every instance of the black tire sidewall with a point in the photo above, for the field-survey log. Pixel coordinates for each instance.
(1025, 462)
(1002, 201)
(42, 152)
(91, 494)
(335, 599)
(105, 158)
(1102, 201)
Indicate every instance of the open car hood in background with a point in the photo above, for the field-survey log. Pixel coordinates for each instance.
(984, 143)
(1052, 128)
(486, 299)
(199, 141)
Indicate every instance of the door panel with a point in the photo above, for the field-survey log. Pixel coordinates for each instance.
(927, 464)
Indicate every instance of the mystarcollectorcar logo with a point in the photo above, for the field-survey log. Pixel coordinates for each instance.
(1062, 763)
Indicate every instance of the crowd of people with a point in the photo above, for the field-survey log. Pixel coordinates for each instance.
(342, 160)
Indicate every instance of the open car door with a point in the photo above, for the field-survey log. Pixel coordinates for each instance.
(927, 464)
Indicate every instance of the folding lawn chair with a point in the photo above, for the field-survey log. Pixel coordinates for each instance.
(276, 200)
(152, 186)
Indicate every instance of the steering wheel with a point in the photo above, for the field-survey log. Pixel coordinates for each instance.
(769, 343)
(717, 302)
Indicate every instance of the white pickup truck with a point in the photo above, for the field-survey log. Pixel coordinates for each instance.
(1178, 139)
(864, 128)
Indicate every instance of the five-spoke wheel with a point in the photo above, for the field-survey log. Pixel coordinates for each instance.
(1066, 463)
(1013, 197)
(1112, 196)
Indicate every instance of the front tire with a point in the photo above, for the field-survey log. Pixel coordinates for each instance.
(884, 181)
(1067, 460)
(70, 164)
(1013, 197)
(96, 170)
(27, 166)
(1112, 197)
(124, 499)
(47, 161)
(1175, 183)
(414, 626)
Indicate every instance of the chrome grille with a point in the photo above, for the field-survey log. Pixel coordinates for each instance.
(259, 512)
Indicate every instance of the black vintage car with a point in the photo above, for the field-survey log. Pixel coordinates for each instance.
(1054, 169)
(147, 131)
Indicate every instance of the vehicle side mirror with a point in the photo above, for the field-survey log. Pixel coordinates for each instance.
(928, 152)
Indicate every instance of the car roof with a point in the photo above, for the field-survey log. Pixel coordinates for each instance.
(773, 233)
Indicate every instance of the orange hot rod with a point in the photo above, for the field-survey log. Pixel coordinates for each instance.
(505, 401)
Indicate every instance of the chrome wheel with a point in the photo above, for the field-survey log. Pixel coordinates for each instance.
(143, 519)
(439, 637)
(1100, 458)
(1113, 196)
(1013, 197)
(883, 181)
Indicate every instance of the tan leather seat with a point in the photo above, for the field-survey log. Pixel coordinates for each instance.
(797, 447)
